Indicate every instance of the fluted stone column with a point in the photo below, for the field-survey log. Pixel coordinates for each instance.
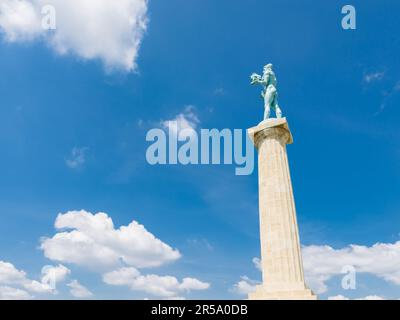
(281, 261)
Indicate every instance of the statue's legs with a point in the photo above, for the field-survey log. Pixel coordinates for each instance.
(271, 101)
(275, 105)
(267, 111)
(278, 111)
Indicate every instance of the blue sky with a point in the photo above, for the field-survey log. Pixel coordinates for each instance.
(73, 128)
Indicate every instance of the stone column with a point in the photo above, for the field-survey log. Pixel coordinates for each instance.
(281, 261)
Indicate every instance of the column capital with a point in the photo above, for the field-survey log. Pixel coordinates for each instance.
(271, 128)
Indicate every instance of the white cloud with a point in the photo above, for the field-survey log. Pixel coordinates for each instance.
(257, 263)
(371, 298)
(38, 287)
(19, 20)
(9, 293)
(78, 290)
(77, 158)
(338, 297)
(121, 277)
(193, 284)
(160, 286)
(52, 275)
(341, 297)
(186, 120)
(321, 263)
(373, 76)
(245, 286)
(110, 31)
(92, 241)
(11, 276)
(175, 298)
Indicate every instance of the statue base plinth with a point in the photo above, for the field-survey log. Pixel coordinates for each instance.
(263, 293)
(267, 124)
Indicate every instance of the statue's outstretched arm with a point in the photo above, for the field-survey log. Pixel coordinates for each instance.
(256, 78)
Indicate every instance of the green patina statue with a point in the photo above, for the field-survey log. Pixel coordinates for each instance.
(269, 92)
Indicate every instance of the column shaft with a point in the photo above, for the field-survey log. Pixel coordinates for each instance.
(280, 248)
(281, 261)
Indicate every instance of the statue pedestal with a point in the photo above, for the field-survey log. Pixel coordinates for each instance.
(281, 261)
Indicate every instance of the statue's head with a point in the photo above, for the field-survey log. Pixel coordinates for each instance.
(268, 67)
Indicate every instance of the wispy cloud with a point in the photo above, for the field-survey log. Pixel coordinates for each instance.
(200, 243)
(185, 120)
(387, 95)
(77, 158)
(219, 91)
(373, 76)
(77, 290)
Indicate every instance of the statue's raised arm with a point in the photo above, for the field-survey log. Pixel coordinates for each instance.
(269, 92)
